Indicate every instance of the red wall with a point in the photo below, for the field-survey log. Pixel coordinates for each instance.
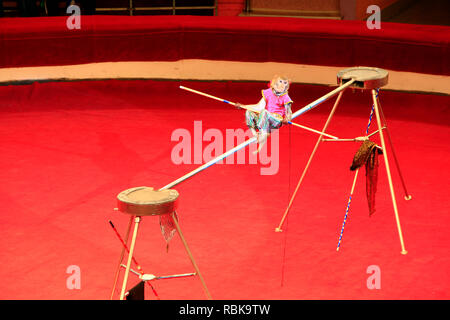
(303, 5)
(361, 6)
(230, 7)
(235, 7)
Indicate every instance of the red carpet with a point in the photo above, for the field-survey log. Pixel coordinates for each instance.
(69, 148)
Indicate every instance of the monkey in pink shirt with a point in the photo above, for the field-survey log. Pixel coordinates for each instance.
(271, 111)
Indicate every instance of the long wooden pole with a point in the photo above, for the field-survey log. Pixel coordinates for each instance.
(217, 98)
(253, 110)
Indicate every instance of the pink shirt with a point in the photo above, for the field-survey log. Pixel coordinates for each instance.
(274, 103)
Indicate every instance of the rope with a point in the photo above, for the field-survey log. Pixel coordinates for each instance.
(354, 180)
(287, 221)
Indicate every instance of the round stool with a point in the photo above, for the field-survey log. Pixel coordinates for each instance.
(146, 201)
(366, 77)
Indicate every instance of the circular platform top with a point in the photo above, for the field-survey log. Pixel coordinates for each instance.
(147, 195)
(366, 77)
(145, 201)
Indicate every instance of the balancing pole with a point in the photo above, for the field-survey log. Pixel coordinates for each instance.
(216, 98)
(256, 111)
(253, 139)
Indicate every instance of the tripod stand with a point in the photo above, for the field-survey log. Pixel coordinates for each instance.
(145, 201)
(364, 78)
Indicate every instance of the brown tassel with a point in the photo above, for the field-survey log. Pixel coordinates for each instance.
(367, 155)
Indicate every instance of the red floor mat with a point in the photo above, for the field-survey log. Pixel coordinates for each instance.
(69, 148)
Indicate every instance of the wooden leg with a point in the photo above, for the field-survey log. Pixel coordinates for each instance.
(191, 257)
(388, 171)
(278, 229)
(388, 135)
(121, 258)
(130, 255)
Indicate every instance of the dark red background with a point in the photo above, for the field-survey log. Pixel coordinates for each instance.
(47, 41)
(68, 148)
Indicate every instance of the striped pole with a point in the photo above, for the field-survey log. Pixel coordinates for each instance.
(348, 208)
(354, 182)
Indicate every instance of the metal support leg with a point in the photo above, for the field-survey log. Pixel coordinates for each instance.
(130, 255)
(121, 258)
(388, 171)
(191, 257)
(388, 135)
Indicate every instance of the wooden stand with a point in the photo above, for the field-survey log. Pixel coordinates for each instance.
(137, 210)
(364, 78)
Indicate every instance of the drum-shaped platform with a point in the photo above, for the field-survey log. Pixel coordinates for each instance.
(145, 201)
(366, 77)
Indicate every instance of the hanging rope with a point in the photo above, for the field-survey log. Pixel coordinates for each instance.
(287, 221)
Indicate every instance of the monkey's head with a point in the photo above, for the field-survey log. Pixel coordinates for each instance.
(280, 84)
